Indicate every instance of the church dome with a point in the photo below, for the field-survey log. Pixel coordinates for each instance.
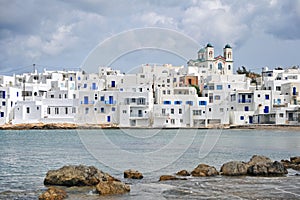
(202, 50)
(209, 45)
(227, 46)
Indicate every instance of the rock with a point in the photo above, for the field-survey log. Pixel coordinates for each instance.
(53, 194)
(258, 159)
(295, 167)
(77, 176)
(267, 169)
(133, 174)
(170, 177)
(183, 173)
(204, 170)
(234, 168)
(295, 160)
(286, 163)
(112, 187)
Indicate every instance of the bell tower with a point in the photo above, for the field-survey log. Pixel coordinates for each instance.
(228, 52)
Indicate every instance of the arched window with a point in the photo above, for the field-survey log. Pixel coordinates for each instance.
(229, 67)
(210, 54)
(219, 66)
(229, 55)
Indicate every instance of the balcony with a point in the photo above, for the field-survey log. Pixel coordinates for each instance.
(244, 100)
(87, 102)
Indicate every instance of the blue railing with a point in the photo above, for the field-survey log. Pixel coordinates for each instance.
(110, 102)
(244, 100)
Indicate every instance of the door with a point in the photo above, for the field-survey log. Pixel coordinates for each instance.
(108, 118)
(294, 91)
(113, 83)
(110, 99)
(86, 100)
(250, 119)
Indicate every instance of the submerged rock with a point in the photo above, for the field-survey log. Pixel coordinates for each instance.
(204, 170)
(267, 169)
(234, 168)
(133, 174)
(170, 177)
(86, 176)
(53, 194)
(183, 173)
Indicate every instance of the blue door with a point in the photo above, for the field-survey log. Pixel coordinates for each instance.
(294, 91)
(86, 100)
(250, 119)
(108, 118)
(113, 83)
(94, 87)
(111, 100)
(266, 110)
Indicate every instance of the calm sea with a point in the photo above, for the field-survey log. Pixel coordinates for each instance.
(26, 156)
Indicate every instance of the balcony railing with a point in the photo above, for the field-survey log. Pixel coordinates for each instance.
(244, 100)
(110, 102)
(87, 102)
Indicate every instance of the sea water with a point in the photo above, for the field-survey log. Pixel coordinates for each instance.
(27, 155)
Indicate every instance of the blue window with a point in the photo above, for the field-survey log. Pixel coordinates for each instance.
(229, 86)
(220, 66)
(86, 100)
(17, 94)
(189, 103)
(294, 91)
(85, 85)
(242, 117)
(71, 78)
(102, 110)
(219, 87)
(246, 108)
(113, 83)
(177, 102)
(113, 109)
(108, 118)
(202, 103)
(79, 78)
(94, 86)
(266, 110)
(2, 94)
(174, 80)
(167, 102)
(267, 96)
(102, 98)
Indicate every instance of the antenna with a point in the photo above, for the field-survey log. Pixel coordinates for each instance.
(33, 68)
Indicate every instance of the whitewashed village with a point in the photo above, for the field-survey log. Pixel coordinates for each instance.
(205, 93)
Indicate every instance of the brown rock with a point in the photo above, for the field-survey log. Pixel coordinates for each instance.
(258, 159)
(183, 173)
(267, 169)
(286, 163)
(295, 167)
(76, 176)
(170, 177)
(53, 194)
(112, 187)
(204, 170)
(133, 174)
(234, 168)
(295, 160)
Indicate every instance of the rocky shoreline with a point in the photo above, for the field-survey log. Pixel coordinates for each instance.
(49, 126)
(105, 184)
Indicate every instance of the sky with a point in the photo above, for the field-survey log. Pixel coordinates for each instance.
(61, 34)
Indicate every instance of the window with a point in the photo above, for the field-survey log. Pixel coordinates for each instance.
(96, 97)
(219, 87)
(172, 121)
(102, 110)
(2, 94)
(168, 92)
(209, 109)
(220, 66)
(177, 102)
(267, 96)
(124, 111)
(229, 86)
(142, 76)
(197, 112)
(56, 111)
(37, 108)
(48, 111)
(17, 94)
(95, 109)
(278, 88)
(86, 110)
(180, 111)
(258, 95)
(242, 117)
(3, 103)
(73, 110)
(52, 96)
(189, 103)
(66, 110)
(85, 85)
(79, 78)
(202, 103)
(229, 66)
(172, 110)
(164, 91)
(163, 111)
(102, 98)
(59, 96)
(246, 108)
(167, 102)
(217, 97)
(27, 110)
(113, 109)
(221, 109)
(2, 114)
(281, 115)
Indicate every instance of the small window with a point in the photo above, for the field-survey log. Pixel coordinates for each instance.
(85, 85)
(281, 115)
(37, 108)
(217, 97)
(177, 102)
(219, 87)
(102, 98)
(180, 111)
(3, 103)
(124, 111)
(27, 110)
(86, 110)
(66, 110)
(242, 117)
(2, 114)
(258, 95)
(172, 121)
(102, 110)
(172, 111)
(229, 86)
(167, 102)
(209, 109)
(189, 103)
(113, 109)
(267, 96)
(48, 111)
(246, 108)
